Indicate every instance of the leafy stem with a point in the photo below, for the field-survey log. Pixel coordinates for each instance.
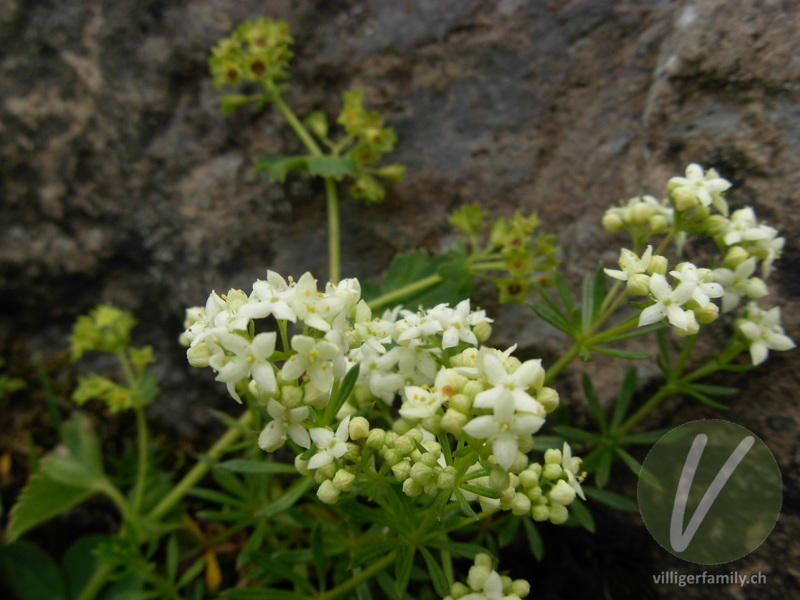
(141, 431)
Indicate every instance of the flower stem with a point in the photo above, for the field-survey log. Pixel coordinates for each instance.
(97, 581)
(390, 298)
(141, 432)
(357, 579)
(199, 470)
(334, 235)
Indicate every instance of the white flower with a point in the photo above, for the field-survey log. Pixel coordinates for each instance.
(270, 297)
(315, 358)
(317, 310)
(421, 403)
(502, 428)
(457, 322)
(668, 302)
(418, 325)
(705, 189)
(764, 332)
(738, 283)
(247, 359)
(769, 250)
(743, 227)
(513, 385)
(330, 446)
(702, 279)
(377, 371)
(285, 423)
(631, 264)
(571, 466)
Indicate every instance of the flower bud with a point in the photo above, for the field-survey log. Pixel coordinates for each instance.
(482, 331)
(411, 487)
(421, 473)
(458, 589)
(535, 493)
(461, 403)
(471, 389)
(540, 512)
(301, 465)
(433, 424)
(529, 478)
(735, 256)
(692, 326)
(562, 493)
(343, 480)
(520, 587)
(358, 428)
(548, 397)
(376, 439)
(707, 314)
(198, 355)
(658, 223)
(353, 453)
(402, 470)
(558, 514)
(552, 456)
(446, 480)
(658, 264)
(683, 198)
(430, 459)
(391, 456)
(325, 472)
(405, 445)
(313, 396)
(478, 574)
(552, 471)
(520, 505)
(639, 213)
(754, 288)
(498, 479)
(401, 426)
(638, 284)
(716, 225)
(612, 222)
(327, 492)
(453, 421)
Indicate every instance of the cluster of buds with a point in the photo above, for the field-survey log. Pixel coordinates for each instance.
(484, 583)
(475, 398)
(257, 51)
(641, 216)
(526, 254)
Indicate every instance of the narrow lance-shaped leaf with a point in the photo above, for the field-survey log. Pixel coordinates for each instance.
(624, 398)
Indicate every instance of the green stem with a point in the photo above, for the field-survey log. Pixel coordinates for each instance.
(390, 298)
(98, 580)
(199, 470)
(141, 432)
(357, 579)
(553, 371)
(296, 125)
(334, 235)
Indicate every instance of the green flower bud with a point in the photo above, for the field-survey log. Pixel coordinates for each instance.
(562, 493)
(327, 492)
(552, 456)
(658, 264)
(535, 494)
(433, 424)
(446, 480)
(478, 575)
(458, 589)
(683, 198)
(411, 488)
(540, 512)
(528, 478)
(405, 445)
(421, 473)
(638, 284)
(313, 396)
(198, 355)
(317, 123)
(520, 505)
(707, 314)
(498, 479)
(358, 428)
(392, 172)
(343, 480)
(548, 397)
(658, 224)
(520, 587)
(552, 471)
(735, 256)
(461, 402)
(755, 288)
(301, 465)
(612, 221)
(453, 421)
(402, 470)
(558, 514)
(639, 213)
(376, 439)
(482, 331)
(401, 426)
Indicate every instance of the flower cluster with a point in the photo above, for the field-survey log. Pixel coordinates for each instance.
(686, 302)
(421, 374)
(484, 583)
(257, 51)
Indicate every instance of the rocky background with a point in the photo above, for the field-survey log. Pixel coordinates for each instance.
(120, 181)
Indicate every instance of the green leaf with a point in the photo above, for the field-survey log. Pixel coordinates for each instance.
(553, 317)
(582, 515)
(565, 294)
(279, 167)
(713, 390)
(148, 388)
(318, 551)
(508, 532)
(637, 468)
(611, 499)
(80, 563)
(603, 470)
(216, 496)
(663, 347)
(287, 499)
(332, 166)
(438, 578)
(30, 573)
(345, 387)
(624, 398)
(594, 403)
(645, 438)
(402, 568)
(573, 433)
(243, 465)
(618, 353)
(281, 569)
(464, 505)
(482, 490)
(41, 500)
(464, 549)
(173, 557)
(592, 293)
(703, 398)
(535, 542)
(262, 593)
(191, 573)
(372, 552)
